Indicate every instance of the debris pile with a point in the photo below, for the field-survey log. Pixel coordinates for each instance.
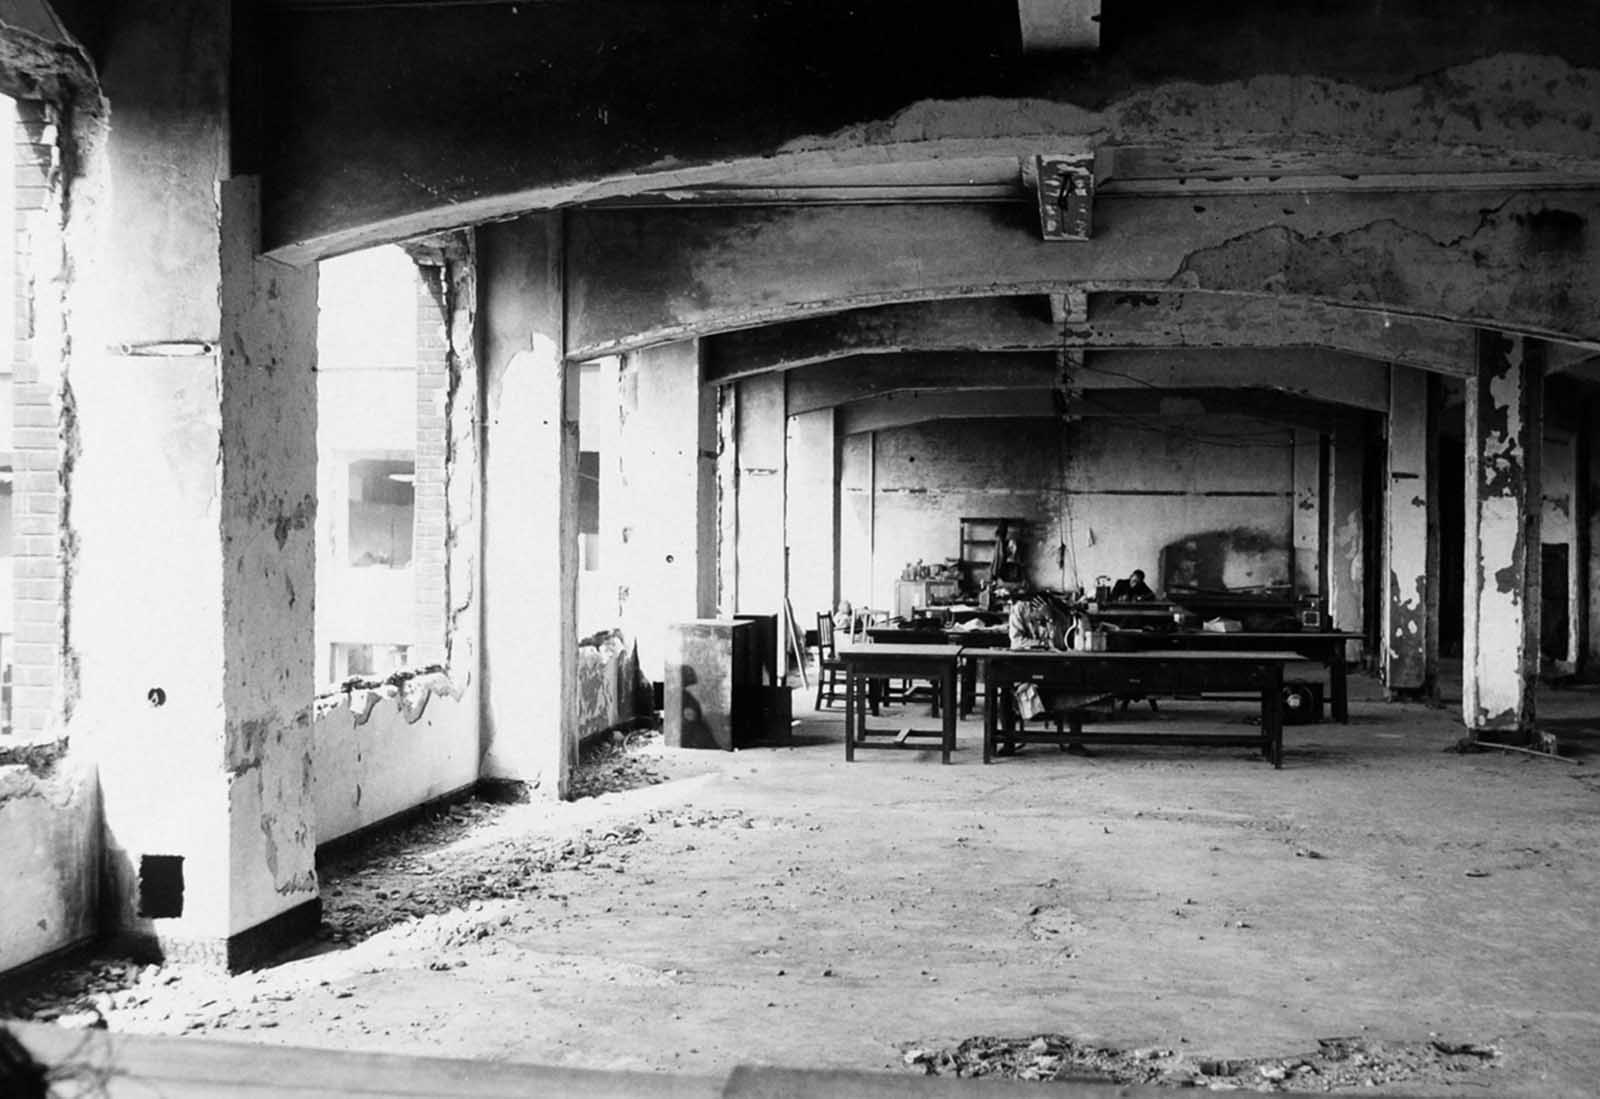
(429, 895)
(1336, 1063)
(619, 762)
(410, 884)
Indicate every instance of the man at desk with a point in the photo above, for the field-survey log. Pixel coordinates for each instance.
(1132, 590)
(1038, 622)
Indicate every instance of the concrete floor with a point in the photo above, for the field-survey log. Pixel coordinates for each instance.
(779, 906)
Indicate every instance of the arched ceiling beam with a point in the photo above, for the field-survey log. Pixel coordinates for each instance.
(858, 378)
(1256, 404)
(1144, 321)
(1328, 376)
(1138, 409)
(1519, 261)
(558, 109)
(903, 409)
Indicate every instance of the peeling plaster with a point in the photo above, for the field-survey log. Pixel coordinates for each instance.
(409, 689)
(301, 518)
(1407, 622)
(1510, 101)
(1508, 581)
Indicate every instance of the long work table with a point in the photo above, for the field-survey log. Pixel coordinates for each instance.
(1095, 674)
(1326, 648)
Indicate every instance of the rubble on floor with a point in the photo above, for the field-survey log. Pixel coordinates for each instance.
(1336, 1063)
(433, 884)
(621, 760)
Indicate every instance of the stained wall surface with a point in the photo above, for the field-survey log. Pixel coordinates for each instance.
(1205, 502)
(50, 833)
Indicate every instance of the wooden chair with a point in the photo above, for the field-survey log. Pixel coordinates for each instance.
(830, 669)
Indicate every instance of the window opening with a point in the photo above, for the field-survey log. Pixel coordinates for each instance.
(382, 511)
(382, 370)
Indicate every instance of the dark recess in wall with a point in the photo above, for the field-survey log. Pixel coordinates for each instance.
(160, 886)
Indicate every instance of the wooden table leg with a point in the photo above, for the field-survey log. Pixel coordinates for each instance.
(988, 720)
(947, 686)
(851, 690)
(1339, 683)
(1272, 720)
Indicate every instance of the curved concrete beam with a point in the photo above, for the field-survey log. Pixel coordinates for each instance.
(1328, 376)
(915, 407)
(1518, 261)
(884, 411)
(556, 109)
(1133, 320)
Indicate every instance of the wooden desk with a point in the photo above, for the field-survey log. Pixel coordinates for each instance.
(864, 663)
(1326, 648)
(1143, 673)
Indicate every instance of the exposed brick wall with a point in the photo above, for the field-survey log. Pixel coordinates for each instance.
(429, 522)
(36, 489)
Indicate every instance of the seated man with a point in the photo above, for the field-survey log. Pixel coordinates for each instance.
(1132, 590)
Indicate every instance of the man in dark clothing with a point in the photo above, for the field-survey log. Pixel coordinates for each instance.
(1132, 590)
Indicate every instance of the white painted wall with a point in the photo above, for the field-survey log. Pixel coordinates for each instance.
(365, 773)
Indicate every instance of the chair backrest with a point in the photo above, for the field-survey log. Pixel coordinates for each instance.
(825, 636)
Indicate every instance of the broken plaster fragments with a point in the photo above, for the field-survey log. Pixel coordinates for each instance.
(409, 688)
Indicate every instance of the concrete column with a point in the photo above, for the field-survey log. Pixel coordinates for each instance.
(727, 478)
(1560, 593)
(668, 503)
(191, 431)
(530, 552)
(1586, 560)
(855, 518)
(1411, 537)
(1347, 537)
(763, 572)
(813, 513)
(1500, 629)
(1308, 505)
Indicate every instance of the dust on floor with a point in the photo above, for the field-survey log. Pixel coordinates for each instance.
(1165, 915)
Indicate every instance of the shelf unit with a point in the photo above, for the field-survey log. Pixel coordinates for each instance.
(977, 543)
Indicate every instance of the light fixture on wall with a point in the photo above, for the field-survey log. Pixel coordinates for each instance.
(165, 349)
(1065, 187)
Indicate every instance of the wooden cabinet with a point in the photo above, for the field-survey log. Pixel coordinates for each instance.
(713, 674)
(911, 594)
